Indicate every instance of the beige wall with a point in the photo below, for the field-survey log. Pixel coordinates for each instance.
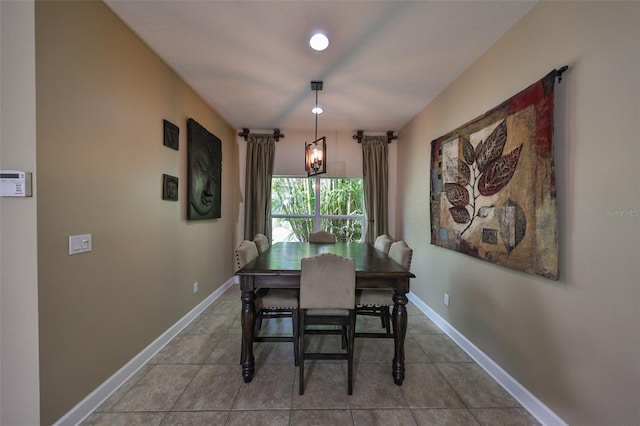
(101, 97)
(19, 391)
(573, 343)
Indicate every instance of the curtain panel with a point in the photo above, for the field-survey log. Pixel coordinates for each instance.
(375, 172)
(257, 188)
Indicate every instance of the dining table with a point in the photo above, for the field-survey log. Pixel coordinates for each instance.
(279, 267)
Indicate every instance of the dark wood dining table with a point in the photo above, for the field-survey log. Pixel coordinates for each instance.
(279, 267)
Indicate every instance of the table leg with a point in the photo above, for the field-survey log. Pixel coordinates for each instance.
(399, 319)
(248, 320)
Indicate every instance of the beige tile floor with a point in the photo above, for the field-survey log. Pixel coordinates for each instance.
(196, 380)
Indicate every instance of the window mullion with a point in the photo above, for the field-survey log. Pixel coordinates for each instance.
(317, 221)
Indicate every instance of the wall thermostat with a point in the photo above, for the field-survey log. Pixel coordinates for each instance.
(15, 183)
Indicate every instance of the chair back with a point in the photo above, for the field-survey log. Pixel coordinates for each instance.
(383, 243)
(327, 281)
(401, 253)
(322, 237)
(245, 253)
(262, 243)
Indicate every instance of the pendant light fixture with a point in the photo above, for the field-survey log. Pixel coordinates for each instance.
(315, 162)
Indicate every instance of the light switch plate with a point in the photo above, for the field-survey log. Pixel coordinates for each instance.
(80, 244)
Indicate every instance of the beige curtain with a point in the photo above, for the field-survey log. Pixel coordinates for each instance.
(375, 172)
(261, 150)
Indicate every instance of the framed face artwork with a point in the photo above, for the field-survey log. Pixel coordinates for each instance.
(205, 172)
(169, 187)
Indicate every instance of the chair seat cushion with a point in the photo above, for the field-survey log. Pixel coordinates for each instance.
(380, 297)
(276, 298)
(328, 312)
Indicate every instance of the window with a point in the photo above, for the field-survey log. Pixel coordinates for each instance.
(300, 206)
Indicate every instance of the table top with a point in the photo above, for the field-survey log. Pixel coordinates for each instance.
(284, 259)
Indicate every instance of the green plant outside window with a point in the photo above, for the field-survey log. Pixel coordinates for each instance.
(300, 206)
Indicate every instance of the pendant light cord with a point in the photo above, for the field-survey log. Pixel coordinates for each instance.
(316, 132)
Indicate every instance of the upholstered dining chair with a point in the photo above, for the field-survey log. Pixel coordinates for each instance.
(245, 253)
(377, 302)
(322, 237)
(401, 253)
(369, 306)
(383, 243)
(327, 297)
(271, 303)
(262, 243)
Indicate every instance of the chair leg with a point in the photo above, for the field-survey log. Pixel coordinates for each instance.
(387, 318)
(301, 351)
(296, 332)
(352, 327)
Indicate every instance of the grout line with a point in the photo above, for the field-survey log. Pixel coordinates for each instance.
(291, 409)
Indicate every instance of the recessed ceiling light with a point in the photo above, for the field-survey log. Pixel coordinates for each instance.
(319, 42)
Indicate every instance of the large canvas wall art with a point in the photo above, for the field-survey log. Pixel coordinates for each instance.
(205, 172)
(493, 191)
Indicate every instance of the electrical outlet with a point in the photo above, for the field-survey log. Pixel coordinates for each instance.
(80, 244)
(446, 299)
(195, 287)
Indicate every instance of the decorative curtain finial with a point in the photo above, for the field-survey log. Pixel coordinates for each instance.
(244, 133)
(391, 136)
(560, 72)
(277, 135)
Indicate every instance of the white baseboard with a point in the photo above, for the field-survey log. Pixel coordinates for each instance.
(532, 404)
(92, 401)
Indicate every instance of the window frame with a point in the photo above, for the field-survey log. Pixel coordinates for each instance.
(318, 217)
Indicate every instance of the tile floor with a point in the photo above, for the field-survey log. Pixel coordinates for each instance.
(196, 380)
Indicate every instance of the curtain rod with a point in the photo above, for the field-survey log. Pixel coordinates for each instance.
(277, 134)
(360, 134)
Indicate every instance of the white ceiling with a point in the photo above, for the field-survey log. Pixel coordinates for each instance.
(251, 61)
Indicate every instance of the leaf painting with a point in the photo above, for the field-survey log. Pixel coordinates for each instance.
(457, 194)
(492, 147)
(493, 190)
(498, 173)
(483, 171)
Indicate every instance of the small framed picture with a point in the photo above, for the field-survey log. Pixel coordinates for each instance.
(171, 135)
(169, 188)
